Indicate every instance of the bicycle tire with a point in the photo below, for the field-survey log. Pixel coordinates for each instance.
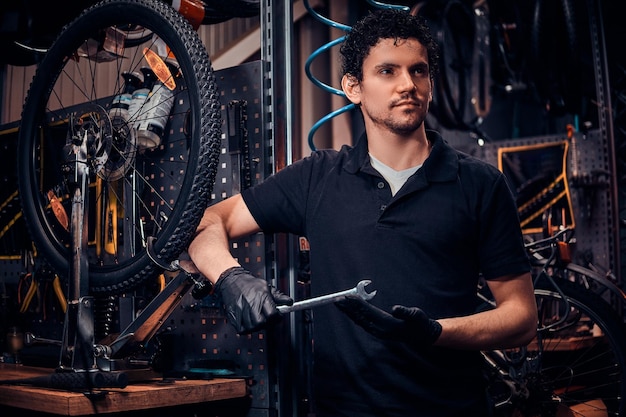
(581, 363)
(591, 280)
(554, 48)
(454, 26)
(140, 191)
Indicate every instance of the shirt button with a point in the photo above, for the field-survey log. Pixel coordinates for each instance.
(381, 185)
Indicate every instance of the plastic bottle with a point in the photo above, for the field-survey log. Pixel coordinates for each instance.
(158, 106)
(121, 102)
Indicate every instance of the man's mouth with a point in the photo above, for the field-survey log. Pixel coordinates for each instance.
(406, 103)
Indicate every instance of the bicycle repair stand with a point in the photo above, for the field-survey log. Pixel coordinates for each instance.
(83, 364)
(88, 145)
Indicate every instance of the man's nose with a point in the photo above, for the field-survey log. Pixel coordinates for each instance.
(406, 82)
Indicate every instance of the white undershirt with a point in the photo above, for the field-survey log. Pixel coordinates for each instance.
(396, 179)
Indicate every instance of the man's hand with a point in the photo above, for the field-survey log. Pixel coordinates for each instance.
(405, 324)
(249, 301)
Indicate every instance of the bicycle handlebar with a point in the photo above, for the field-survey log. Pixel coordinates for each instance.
(549, 240)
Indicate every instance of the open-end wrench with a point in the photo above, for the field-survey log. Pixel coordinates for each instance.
(359, 291)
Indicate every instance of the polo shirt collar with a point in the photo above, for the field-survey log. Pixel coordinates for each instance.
(441, 165)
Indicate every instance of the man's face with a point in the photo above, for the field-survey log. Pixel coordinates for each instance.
(396, 89)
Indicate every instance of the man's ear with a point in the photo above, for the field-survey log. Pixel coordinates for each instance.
(351, 87)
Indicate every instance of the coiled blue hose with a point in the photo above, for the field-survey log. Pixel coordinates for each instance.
(323, 49)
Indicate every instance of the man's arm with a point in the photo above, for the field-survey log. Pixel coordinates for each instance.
(512, 323)
(249, 302)
(210, 249)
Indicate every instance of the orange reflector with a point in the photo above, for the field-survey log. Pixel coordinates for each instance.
(58, 210)
(160, 68)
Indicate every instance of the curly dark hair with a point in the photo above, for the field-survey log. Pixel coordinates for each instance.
(385, 24)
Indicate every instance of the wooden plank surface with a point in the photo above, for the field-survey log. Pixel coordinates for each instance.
(153, 393)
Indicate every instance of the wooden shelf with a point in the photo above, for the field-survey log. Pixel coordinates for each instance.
(152, 393)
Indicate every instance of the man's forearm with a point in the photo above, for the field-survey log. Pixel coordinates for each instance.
(210, 250)
(495, 329)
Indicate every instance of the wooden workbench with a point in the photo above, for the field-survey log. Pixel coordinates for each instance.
(148, 394)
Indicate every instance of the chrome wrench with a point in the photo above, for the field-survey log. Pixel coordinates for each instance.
(359, 291)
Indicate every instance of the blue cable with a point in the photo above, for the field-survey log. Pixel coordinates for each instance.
(324, 120)
(388, 6)
(324, 48)
(309, 61)
(324, 19)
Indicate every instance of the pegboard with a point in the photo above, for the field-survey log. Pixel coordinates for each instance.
(588, 175)
(14, 238)
(202, 340)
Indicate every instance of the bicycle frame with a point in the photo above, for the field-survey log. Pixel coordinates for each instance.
(523, 377)
(557, 244)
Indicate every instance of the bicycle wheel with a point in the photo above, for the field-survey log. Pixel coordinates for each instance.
(147, 118)
(454, 26)
(576, 364)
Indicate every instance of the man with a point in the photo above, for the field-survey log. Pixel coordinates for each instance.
(405, 210)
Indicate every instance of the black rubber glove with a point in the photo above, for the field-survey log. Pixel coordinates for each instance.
(249, 301)
(405, 324)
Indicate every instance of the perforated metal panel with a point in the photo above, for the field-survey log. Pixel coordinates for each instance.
(588, 173)
(203, 341)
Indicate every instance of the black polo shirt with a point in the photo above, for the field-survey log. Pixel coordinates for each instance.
(453, 219)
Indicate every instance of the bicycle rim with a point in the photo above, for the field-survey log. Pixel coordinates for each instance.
(153, 166)
(575, 366)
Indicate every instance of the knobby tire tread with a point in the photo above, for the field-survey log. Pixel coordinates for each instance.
(203, 165)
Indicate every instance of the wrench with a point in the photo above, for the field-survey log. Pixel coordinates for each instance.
(359, 291)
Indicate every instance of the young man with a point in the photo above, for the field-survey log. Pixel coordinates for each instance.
(403, 209)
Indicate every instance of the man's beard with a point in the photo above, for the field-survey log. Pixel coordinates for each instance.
(401, 127)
